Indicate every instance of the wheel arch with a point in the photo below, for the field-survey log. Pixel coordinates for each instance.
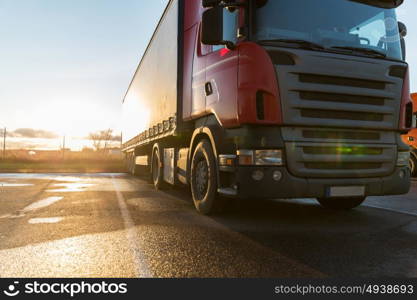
(154, 147)
(207, 128)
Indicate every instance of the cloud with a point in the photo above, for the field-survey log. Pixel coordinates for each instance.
(32, 133)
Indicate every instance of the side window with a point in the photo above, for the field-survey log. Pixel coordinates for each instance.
(230, 25)
(217, 48)
(372, 32)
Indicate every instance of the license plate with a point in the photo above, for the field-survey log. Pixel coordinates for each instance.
(346, 191)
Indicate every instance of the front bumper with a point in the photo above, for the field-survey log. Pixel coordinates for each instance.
(295, 187)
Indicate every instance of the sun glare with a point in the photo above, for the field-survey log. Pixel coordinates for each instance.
(71, 117)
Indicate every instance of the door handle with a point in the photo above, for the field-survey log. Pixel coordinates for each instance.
(209, 89)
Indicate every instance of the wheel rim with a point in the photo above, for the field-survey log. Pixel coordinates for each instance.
(412, 165)
(155, 167)
(201, 179)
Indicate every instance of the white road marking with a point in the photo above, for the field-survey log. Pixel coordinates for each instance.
(34, 206)
(392, 210)
(45, 220)
(142, 269)
(42, 203)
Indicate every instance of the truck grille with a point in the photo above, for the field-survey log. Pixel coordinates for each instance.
(331, 90)
(343, 81)
(341, 114)
(347, 160)
(342, 98)
(341, 135)
(347, 153)
(341, 166)
(340, 102)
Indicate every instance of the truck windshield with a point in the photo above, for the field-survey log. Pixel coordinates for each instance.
(340, 25)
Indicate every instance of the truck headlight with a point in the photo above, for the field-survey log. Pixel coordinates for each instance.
(268, 158)
(403, 159)
(260, 157)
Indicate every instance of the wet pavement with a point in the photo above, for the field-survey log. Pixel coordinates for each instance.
(114, 225)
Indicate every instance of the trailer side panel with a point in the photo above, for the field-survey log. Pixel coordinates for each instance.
(150, 104)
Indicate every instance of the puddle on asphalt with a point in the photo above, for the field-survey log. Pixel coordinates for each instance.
(70, 187)
(6, 184)
(78, 182)
(6, 216)
(17, 215)
(45, 220)
(67, 179)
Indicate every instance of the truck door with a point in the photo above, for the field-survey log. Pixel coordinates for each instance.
(221, 73)
(198, 103)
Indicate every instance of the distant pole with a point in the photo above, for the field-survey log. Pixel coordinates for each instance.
(4, 142)
(63, 148)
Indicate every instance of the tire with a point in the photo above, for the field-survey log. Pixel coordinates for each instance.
(413, 165)
(347, 203)
(157, 170)
(204, 180)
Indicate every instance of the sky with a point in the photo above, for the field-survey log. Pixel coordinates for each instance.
(65, 65)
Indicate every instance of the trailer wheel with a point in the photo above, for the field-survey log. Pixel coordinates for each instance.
(346, 203)
(132, 168)
(156, 170)
(204, 180)
(413, 165)
(130, 163)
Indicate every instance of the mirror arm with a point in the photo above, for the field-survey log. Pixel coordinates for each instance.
(224, 4)
(230, 45)
(232, 4)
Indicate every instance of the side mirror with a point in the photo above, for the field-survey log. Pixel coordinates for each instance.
(210, 3)
(382, 3)
(212, 28)
(403, 33)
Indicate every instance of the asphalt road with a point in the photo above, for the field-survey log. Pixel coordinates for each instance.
(106, 225)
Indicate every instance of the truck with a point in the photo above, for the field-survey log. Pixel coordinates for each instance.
(411, 139)
(270, 99)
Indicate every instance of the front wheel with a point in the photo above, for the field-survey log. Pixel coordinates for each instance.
(346, 203)
(204, 180)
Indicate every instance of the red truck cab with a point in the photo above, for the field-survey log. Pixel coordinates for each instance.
(273, 99)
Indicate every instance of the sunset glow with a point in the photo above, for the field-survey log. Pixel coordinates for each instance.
(69, 79)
